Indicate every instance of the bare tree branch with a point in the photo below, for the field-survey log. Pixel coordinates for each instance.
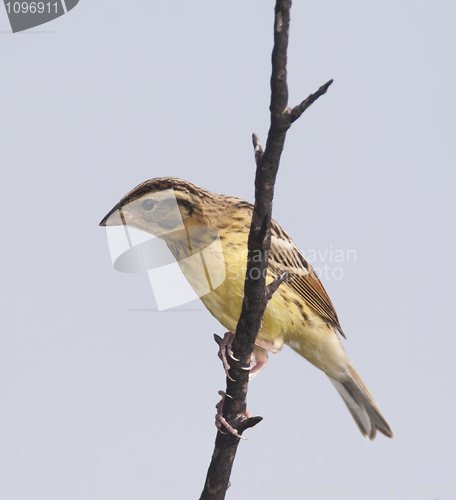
(256, 293)
(298, 110)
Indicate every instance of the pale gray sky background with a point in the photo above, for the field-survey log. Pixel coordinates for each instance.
(102, 402)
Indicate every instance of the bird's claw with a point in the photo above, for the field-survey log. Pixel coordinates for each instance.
(251, 364)
(224, 350)
(220, 420)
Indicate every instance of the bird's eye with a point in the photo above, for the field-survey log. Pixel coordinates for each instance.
(148, 205)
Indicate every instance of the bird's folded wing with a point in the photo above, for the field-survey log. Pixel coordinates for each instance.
(285, 256)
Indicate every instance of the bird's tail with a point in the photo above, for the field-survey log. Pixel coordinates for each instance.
(362, 405)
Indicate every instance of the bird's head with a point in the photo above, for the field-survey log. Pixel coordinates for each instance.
(160, 206)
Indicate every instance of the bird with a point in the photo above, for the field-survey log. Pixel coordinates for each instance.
(300, 314)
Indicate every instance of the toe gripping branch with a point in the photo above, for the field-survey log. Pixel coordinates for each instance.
(225, 351)
(246, 420)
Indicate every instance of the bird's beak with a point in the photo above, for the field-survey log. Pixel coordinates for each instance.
(116, 217)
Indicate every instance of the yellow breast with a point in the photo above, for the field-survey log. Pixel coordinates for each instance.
(282, 315)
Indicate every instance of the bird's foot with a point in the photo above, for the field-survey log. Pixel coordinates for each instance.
(268, 346)
(225, 351)
(257, 364)
(220, 420)
(258, 359)
(260, 356)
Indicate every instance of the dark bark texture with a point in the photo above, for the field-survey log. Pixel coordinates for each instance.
(256, 294)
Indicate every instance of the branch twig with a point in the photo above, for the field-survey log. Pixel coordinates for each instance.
(272, 287)
(298, 110)
(258, 150)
